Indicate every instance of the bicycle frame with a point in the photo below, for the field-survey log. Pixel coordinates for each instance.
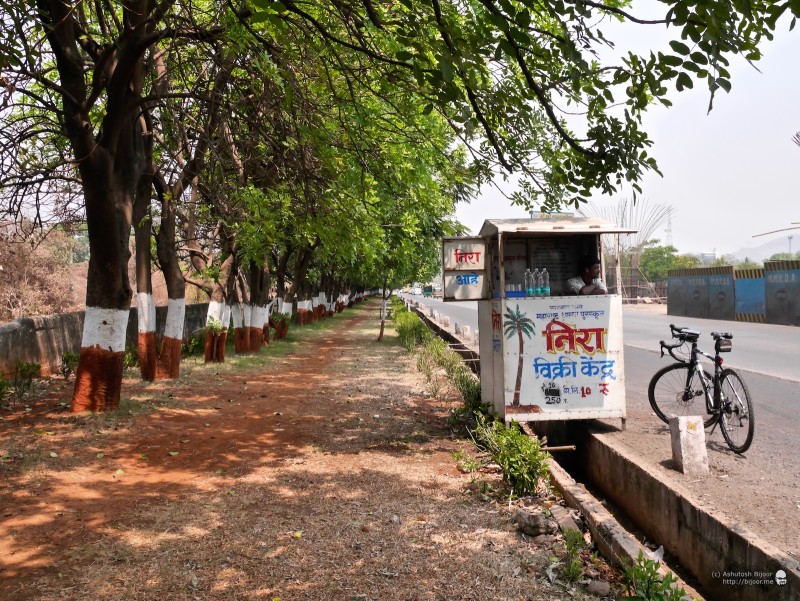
(712, 401)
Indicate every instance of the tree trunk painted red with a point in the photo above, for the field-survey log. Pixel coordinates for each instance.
(210, 347)
(169, 362)
(220, 347)
(255, 339)
(148, 356)
(94, 390)
(241, 339)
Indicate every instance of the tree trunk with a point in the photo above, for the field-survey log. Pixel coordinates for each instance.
(259, 296)
(108, 147)
(98, 378)
(383, 311)
(169, 360)
(145, 304)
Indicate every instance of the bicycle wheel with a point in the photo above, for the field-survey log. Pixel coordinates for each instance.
(669, 395)
(736, 420)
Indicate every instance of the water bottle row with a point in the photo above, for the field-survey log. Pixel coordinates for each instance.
(537, 283)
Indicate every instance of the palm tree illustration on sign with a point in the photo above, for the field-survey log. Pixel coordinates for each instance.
(518, 323)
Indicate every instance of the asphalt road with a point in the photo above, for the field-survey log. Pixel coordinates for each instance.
(762, 488)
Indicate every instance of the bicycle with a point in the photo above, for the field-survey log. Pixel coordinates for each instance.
(674, 388)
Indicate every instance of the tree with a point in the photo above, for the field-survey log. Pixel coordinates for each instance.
(785, 256)
(657, 260)
(747, 263)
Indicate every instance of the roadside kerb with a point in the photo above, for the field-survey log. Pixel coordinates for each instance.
(705, 542)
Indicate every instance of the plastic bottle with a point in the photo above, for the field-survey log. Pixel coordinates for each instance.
(528, 283)
(533, 282)
(538, 283)
(545, 282)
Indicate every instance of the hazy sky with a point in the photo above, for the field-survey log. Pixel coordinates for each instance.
(729, 174)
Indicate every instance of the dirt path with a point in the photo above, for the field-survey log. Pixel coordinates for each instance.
(318, 469)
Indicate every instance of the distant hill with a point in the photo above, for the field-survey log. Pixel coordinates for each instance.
(767, 249)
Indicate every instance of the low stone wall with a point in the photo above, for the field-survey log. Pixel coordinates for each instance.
(43, 340)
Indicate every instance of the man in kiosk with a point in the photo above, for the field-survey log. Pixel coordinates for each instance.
(588, 282)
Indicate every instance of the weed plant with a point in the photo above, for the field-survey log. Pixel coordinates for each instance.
(645, 583)
(574, 541)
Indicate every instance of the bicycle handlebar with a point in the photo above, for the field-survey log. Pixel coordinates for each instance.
(671, 347)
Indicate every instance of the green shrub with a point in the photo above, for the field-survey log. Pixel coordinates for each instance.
(69, 363)
(410, 329)
(24, 373)
(195, 345)
(5, 387)
(214, 326)
(520, 457)
(131, 357)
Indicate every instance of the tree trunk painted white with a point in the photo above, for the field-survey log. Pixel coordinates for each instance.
(240, 313)
(169, 364)
(146, 318)
(259, 316)
(102, 353)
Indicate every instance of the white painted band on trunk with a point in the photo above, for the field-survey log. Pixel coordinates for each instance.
(259, 316)
(105, 328)
(236, 315)
(304, 305)
(215, 309)
(226, 317)
(271, 307)
(145, 312)
(176, 313)
(247, 314)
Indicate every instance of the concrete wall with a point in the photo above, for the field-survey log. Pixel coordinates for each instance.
(43, 340)
(707, 543)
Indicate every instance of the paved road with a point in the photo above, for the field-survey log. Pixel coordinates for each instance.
(761, 348)
(762, 488)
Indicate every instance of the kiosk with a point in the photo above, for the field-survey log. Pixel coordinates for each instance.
(544, 356)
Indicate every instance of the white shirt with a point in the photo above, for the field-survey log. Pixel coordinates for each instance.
(575, 285)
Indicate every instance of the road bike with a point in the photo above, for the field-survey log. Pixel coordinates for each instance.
(675, 388)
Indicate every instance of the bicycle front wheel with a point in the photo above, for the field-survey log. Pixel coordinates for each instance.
(736, 419)
(672, 393)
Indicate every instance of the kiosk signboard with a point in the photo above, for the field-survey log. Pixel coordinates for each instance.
(464, 269)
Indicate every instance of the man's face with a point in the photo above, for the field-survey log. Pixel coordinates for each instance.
(594, 271)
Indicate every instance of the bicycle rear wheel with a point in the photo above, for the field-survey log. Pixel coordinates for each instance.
(670, 395)
(736, 420)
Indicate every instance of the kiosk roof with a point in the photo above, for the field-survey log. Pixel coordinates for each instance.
(553, 224)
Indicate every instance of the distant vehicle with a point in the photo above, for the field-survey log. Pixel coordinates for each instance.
(416, 290)
(427, 290)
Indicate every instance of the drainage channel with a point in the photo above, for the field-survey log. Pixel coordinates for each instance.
(616, 536)
(726, 561)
